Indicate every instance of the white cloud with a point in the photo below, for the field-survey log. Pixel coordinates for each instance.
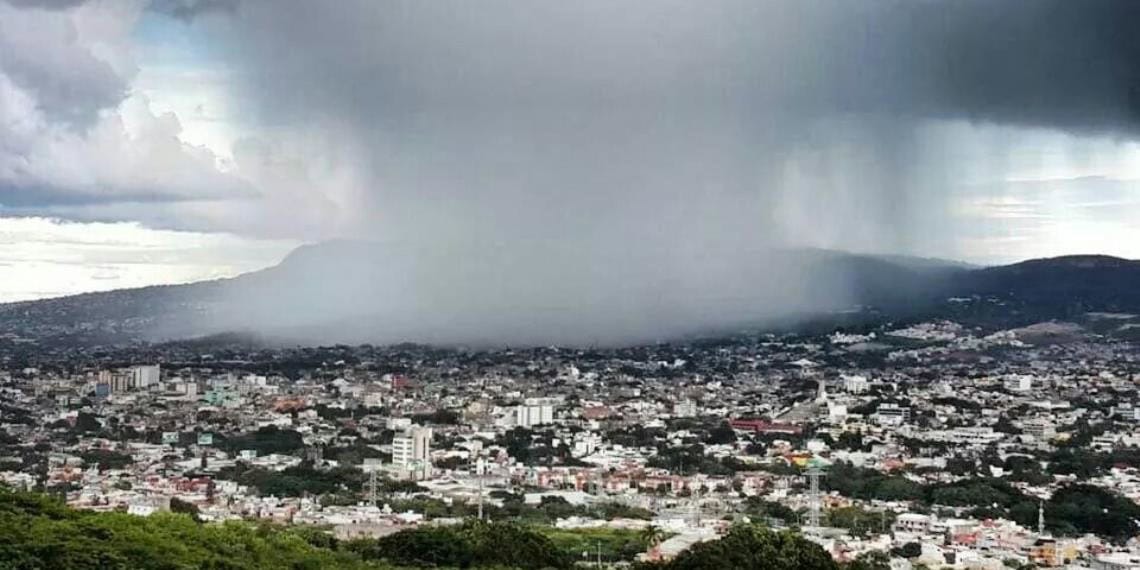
(81, 139)
(70, 129)
(200, 98)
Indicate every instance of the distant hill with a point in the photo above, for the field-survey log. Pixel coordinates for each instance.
(1103, 281)
(362, 292)
(1060, 287)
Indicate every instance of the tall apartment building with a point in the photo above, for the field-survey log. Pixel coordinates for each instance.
(113, 382)
(145, 376)
(854, 384)
(119, 381)
(411, 452)
(535, 411)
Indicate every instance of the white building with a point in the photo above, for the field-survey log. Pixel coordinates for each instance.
(891, 414)
(913, 523)
(145, 376)
(836, 413)
(186, 390)
(411, 453)
(534, 411)
(1116, 561)
(854, 384)
(585, 443)
(983, 435)
(1018, 382)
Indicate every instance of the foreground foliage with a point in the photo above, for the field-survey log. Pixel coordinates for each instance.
(42, 533)
(1074, 509)
(752, 547)
(470, 545)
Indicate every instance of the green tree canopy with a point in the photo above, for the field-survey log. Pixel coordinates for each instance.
(753, 547)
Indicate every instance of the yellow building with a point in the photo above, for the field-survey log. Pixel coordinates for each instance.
(1051, 552)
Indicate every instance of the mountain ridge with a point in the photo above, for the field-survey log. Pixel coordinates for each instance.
(324, 291)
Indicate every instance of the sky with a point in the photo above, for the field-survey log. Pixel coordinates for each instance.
(165, 141)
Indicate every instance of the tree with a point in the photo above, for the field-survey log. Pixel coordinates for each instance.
(86, 423)
(440, 417)
(958, 465)
(473, 544)
(105, 459)
(752, 547)
(182, 507)
(266, 440)
(758, 508)
(908, 550)
(652, 535)
(1078, 509)
(852, 441)
(721, 434)
(43, 533)
(861, 483)
(859, 521)
(874, 560)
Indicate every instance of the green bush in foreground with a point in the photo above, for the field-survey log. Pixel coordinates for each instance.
(41, 533)
(471, 545)
(752, 547)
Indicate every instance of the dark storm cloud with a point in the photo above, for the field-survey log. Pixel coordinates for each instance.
(43, 199)
(620, 170)
(604, 120)
(1054, 63)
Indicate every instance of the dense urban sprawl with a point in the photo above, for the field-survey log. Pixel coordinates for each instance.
(930, 443)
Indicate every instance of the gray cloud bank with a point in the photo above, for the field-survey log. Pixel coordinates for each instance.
(1049, 63)
(615, 119)
(608, 170)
